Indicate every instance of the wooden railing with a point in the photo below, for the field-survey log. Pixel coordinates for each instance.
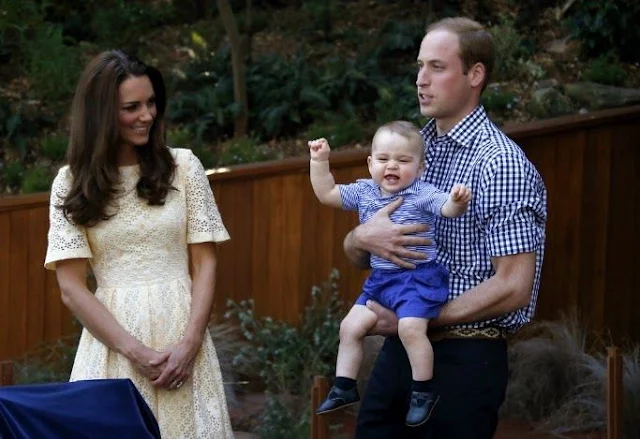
(284, 241)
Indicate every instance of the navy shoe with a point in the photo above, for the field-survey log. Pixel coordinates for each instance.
(337, 399)
(420, 407)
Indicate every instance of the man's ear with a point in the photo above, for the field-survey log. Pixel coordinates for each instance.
(476, 74)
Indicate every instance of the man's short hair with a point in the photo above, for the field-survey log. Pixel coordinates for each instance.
(476, 43)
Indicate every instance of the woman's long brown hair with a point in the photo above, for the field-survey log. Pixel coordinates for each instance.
(94, 141)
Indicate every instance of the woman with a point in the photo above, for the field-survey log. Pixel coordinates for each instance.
(145, 218)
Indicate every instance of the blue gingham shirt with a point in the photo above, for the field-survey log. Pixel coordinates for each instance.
(421, 204)
(506, 216)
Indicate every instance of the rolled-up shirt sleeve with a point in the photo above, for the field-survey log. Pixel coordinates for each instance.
(512, 206)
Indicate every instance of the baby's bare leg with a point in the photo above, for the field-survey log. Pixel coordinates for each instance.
(413, 333)
(353, 329)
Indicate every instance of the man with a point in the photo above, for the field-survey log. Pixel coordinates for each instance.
(494, 252)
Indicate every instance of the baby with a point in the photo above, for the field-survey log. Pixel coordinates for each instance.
(416, 295)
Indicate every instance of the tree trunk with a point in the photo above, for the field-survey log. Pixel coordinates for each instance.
(237, 67)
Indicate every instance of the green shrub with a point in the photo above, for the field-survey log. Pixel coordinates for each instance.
(605, 69)
(498, 100)
(285, 418)
(54, 146)
(510, 49)
(246, 150)
(53, 66)
(49, 363)
(602, 26)
(206, 156)
(13, 173)
(339, 133)
(19, 124)
(120, 22)
(36, 180)
(284, 356)
(397, 101)
(179, 137)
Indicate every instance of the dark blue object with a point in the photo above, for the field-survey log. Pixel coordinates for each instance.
(93, 409)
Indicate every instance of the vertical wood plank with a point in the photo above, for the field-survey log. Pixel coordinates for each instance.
(622, 265)
(542, 151)
(319, 424)
(5, 278)
(37, 246)
(293, 299)
(594, 228)
(18, 281)
(6, 373)
(235, 201)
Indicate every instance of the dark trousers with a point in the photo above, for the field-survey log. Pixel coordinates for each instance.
(469, 374)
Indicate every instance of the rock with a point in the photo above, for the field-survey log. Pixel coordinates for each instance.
(547, 83)
(597, 96)
(549, 102)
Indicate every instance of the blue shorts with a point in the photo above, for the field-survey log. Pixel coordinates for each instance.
(420, 292)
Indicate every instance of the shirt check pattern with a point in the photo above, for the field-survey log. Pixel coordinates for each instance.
(506, 216)
(421, 204)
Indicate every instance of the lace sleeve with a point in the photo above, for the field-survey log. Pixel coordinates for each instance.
(66, 240)
(204, 223)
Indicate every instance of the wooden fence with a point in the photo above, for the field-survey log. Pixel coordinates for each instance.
(284, 241)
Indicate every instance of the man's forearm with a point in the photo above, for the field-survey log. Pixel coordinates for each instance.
(357, 256)
(506, 291)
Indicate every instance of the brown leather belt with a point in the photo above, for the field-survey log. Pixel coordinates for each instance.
(487, 333)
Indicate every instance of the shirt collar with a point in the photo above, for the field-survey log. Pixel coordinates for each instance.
(464, 132)
(413, 188)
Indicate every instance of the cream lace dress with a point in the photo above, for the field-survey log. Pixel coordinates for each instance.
(140, 261)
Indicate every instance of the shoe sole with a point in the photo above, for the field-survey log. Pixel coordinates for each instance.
(428, 415)
(337, 408)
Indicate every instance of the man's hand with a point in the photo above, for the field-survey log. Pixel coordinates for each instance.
(387, 323)
(383, 238)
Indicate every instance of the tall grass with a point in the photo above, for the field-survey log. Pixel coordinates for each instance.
(558, 380)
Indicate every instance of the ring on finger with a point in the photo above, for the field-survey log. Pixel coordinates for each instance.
(179, 385)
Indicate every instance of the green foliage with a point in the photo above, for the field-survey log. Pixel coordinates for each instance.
(120, 22)
(54, 146)
(510, 49)
(179, 137)
(397, 101)
(246, 150)
(19, 124)
(13, 18)
(50, 363)
(53, 67)
(602, 26)
(498, 100)
(605, 69)
(13, 174)
(401, 37)
(322, 13)
(285, 418)
(36, 180)
(286, 357)
(339, 133)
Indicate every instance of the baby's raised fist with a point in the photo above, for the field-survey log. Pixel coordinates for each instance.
(319, 149)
